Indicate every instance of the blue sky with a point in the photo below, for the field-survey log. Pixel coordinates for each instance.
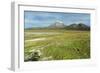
(43, 19)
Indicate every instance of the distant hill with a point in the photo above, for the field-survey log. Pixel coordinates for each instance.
(79, 26)
(57, 24)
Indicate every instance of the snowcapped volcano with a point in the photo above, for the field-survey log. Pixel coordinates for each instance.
(57, 24)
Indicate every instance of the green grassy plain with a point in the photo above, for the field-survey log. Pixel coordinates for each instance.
(59, 44)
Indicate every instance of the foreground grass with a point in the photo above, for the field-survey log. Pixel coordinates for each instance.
(65, 45)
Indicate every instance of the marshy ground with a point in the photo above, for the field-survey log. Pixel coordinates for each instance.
(56, 45)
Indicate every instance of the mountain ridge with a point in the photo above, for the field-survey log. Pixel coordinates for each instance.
(61, 25)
